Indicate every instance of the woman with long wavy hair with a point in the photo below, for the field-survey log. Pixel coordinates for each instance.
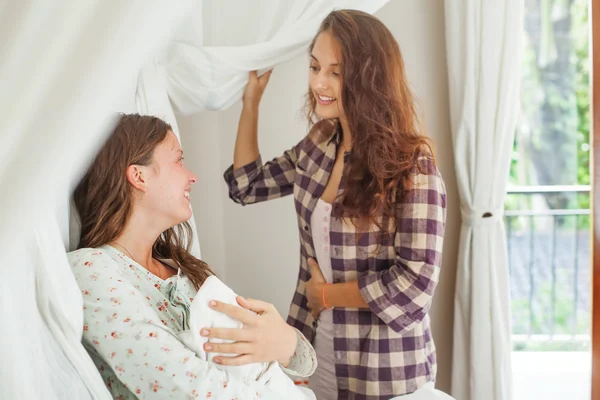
(138, 279)
(371, 207)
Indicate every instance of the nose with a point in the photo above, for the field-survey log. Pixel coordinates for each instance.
(321, 82)
(193, 178)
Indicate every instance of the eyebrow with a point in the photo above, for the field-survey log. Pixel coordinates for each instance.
(332, 65)
(179, 150)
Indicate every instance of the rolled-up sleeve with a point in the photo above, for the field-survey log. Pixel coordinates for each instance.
(401, 295)
(304, 361)
(256, 182)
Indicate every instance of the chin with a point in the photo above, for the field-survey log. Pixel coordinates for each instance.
(327, 115)
(183, 217)
(327, 112)
(187, 217)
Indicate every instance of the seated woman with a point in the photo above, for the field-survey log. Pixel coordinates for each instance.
(139, 280)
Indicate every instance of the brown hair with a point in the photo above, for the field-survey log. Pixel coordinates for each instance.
(381, 114)
(104, 197)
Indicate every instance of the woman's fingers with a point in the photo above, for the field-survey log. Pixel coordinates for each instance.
(235, 361)
(237, 348)
(258, 306)
(240, 314)
(263, 80)
(254, 88)
(233, 334)
(315, 271)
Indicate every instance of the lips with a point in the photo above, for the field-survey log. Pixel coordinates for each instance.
(324, 100)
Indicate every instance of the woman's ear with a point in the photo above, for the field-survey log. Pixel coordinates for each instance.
(135, 176)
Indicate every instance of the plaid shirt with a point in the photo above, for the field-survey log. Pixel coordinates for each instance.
(386, 350)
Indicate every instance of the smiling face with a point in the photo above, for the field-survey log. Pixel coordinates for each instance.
(325, 81)
(167, 184)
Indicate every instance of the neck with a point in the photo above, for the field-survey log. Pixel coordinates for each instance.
(137, 239)
(346, 136)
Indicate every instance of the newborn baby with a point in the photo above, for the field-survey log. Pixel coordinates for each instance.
(202, 316)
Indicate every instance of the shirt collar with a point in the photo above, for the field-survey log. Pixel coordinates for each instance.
(337, 135)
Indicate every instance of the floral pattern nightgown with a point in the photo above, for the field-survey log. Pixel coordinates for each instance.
(132, 320)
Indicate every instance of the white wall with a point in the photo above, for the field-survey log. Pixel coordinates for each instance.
(255, 248)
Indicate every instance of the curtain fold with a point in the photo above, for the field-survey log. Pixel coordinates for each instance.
(64, 66)
(483, 44)
(208, 70)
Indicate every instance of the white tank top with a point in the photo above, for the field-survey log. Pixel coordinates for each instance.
(323, 381)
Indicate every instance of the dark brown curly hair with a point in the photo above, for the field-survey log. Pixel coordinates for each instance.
(380, 110)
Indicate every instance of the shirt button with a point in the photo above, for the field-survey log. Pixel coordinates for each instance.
(305, 227)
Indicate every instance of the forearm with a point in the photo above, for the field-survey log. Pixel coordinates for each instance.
(246, 144)
(346, 294)
(292, 340)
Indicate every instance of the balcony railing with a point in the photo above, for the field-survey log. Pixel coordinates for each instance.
(549, 258)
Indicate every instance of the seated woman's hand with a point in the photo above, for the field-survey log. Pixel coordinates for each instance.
(265, 336)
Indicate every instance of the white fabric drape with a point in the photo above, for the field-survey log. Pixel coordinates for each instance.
(483, 41)
(210, 73)
(207, 69)
(64, 66)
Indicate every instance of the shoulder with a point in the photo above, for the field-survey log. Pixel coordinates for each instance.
(102, 275)
(426, 170)
(427, 186)
(425, 164)
(93, 260)
(86, 255)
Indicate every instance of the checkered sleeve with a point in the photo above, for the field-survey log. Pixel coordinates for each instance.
(401, 295)
(256, 182)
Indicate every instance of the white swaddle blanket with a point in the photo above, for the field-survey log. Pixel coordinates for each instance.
(202, 316)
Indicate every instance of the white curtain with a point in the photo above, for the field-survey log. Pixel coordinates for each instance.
(206, 66)
(483, 41)
(64, 67)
